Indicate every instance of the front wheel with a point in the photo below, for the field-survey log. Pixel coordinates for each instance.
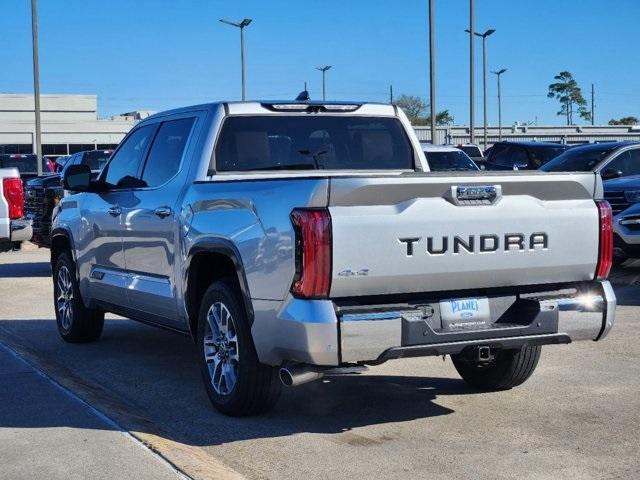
(508, 369)
(236, 382)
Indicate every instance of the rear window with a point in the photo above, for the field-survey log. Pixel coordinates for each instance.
(96, 159)
(541, 155)
(449, 161)
(24, 163)
(471, 150)
(313, 142)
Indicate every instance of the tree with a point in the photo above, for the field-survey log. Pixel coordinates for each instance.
(624, 121)
(568, 93)
(412, 105)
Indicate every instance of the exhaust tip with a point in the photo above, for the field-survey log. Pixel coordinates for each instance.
(286, 377)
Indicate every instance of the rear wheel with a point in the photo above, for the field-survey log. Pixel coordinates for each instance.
(508, 369)
(76, 323)
(236, 382)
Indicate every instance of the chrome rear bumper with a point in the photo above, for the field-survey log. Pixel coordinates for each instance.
(378, 335)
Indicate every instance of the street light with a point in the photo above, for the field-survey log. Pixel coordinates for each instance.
(472, 113)
(36, 83)
(432, 69)
(484, 75)
(497, 74)
(241, 25)
(324, 71)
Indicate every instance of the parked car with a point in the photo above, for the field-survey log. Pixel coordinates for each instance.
(14, 229)
(26, 164)
(622, 192)
(522, 155)
(42, 194)
(298, 239)
(611, 160)
(443, 158)
(626, 237)
(472, 151)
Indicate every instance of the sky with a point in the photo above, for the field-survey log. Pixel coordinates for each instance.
(160, 54)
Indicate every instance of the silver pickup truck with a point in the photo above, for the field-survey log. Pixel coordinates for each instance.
(14, 229)
(293, 240)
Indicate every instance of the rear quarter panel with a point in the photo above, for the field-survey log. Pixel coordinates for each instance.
(254, 216)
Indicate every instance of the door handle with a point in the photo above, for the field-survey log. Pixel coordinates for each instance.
(162, 212)
(114, 211)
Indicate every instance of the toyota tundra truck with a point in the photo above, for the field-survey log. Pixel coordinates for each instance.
(293, 240)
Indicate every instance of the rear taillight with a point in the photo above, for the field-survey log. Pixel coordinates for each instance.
(605, 251)
(313, 253)
(13, 193)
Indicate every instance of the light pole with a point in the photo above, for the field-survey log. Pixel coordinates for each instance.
(484, 76)
(497, 74)
(324, 89)
(432, 69)
(471, 74)
(36, 83)
(241, 25)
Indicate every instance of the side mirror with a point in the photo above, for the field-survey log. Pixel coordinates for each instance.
(77, 178)
(609, 173)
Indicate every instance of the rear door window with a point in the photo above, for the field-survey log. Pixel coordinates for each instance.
(166, 152)
(627, 162)
(321, 142)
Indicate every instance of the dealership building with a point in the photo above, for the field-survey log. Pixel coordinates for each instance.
(70, 124)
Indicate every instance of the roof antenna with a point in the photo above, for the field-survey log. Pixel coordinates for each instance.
(303, 96)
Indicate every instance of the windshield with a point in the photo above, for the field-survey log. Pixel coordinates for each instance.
(447, 161)
(316, 142)
(578, 159)
(96, 159)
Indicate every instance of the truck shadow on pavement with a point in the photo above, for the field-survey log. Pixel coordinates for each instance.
(147, 379)
(25, 270)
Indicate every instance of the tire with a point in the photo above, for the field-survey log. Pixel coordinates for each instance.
(508, 369)
(76, 323)
(236, 382)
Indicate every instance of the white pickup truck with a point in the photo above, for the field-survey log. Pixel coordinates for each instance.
(14, 229)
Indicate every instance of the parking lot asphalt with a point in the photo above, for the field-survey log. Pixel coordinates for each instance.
(577, 417)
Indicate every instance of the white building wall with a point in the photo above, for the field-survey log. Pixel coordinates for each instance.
(66, 120)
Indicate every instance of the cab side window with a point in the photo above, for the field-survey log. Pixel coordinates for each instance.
(166, 152)
(122, 170)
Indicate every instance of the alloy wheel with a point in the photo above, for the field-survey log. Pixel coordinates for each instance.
(221, 349)
(64, 299)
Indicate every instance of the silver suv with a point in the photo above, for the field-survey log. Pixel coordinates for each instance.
(293, 240)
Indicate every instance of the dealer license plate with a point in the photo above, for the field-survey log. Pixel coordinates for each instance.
(465, 313)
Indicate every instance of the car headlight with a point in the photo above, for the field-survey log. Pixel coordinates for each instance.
(632, 196)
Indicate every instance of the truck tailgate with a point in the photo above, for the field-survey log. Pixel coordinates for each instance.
(427, 233)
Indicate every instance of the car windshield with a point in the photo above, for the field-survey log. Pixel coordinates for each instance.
(315, 142)
(447, 161)
(578, 159)
(96, 159)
